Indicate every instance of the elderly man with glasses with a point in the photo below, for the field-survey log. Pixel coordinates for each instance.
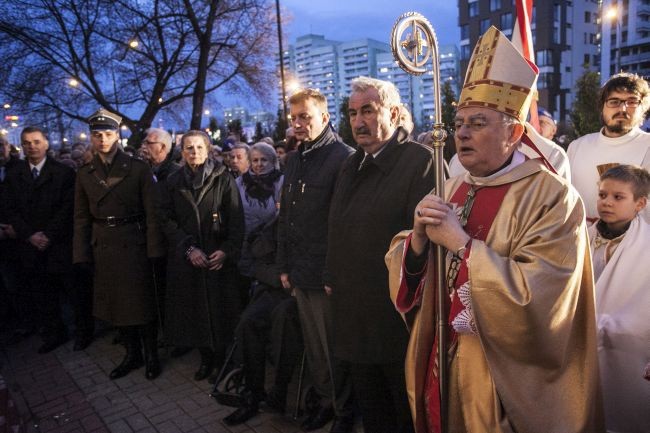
(521, 351)
(156, 150)
(624, 100)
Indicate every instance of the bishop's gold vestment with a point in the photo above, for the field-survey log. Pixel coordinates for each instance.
(533, 367)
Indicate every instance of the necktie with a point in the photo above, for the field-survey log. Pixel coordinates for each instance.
(367, 160)
(34, 172)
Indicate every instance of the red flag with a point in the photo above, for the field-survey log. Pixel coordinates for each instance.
(522, 39)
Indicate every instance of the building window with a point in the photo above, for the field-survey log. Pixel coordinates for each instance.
(495, 5)
(587, 17)
(544, 58)
(557, 12)
(545, 80)
(464, 52)
(556, 35)
(586, 59)
(506, 21)
(485, 24)
(473, 9)
(464, 31)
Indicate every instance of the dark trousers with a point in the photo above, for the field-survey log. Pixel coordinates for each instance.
(45, 291)
(271, 317)
(14, 299)
(160, 286)
(380, 392)
(329, 378)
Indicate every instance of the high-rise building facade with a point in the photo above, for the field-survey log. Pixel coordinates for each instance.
(625, 37)
(330, 66)
(565, 39)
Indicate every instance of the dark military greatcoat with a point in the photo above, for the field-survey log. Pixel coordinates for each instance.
(115, 227)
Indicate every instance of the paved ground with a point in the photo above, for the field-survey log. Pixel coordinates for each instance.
(66, 391)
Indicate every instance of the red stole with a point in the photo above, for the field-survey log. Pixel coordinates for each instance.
(479, 222)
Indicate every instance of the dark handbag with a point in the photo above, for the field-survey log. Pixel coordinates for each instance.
(264, 243)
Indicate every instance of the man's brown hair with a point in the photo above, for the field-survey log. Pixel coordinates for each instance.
(30, 129)
(626, 82)
(302, 95)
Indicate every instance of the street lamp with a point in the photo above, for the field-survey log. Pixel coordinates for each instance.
(281, 52)
(134, 43)
(73, 82)
(292, 85)
(6, 106)
(612, 14)
(206, 112)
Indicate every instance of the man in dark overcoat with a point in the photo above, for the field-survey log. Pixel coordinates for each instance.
(40, 194)
(115, 229)
(310, 175)
(156, 149)
(12, 299)
(375, 197)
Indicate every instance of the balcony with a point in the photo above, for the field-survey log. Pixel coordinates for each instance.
(643, 8)
(642, 26)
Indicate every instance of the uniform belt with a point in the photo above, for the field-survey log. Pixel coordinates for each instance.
(113, 221)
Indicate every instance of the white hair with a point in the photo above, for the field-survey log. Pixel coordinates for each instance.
(164, 136)
(388, 94)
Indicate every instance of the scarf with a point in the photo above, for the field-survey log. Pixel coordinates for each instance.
(196, 179)
(260, 187)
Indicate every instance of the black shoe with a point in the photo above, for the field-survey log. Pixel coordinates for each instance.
(241, 415)
(318, 419)
(130, 363)
(133, 360)
(51, 343)
(177, 352)
(213, 378)
(207, 364)
(276, 401)
(81, 343)
(152, 368)
(342, 424)
(204, 371)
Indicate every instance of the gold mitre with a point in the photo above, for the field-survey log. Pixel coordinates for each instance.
(498, 77)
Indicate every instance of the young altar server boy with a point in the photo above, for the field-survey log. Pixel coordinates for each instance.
(619, 245)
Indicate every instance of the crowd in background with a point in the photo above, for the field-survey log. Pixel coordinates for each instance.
(271, 248)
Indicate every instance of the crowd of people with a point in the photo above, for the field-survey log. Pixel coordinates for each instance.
(313, 246)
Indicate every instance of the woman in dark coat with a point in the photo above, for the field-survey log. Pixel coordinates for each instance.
(202, 217)
(259, 189)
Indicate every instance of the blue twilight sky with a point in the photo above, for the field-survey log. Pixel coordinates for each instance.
(347, 20)
(344, 20)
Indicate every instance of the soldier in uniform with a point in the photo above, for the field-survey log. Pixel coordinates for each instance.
(115, 229)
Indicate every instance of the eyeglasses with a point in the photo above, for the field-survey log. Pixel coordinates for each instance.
(615, 102)
(147, 142)
(475, 125)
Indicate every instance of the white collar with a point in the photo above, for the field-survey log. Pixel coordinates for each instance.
(38, 166)
(518, 158)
